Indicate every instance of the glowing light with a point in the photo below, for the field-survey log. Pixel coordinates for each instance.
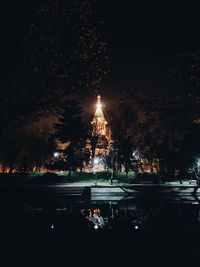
(96, 226)
(52, 226)
(134, 153)
(136, 227)
(56, 154)
(96, 161)
(99, 106)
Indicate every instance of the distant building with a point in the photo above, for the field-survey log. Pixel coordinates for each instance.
(100, 144)
(101, 130)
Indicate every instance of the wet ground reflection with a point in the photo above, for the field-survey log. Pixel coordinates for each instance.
(113, 229)
(66, 213)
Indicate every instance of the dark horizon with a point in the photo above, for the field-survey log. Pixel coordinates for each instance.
(145, 42)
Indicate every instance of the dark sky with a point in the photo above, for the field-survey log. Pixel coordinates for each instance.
(144, 40)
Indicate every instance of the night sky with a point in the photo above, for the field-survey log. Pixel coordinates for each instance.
(144, 41)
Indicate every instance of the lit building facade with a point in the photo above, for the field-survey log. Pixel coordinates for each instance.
(101, 141)
(101, 130)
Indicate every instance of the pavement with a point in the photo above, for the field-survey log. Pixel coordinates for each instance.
(186, 187)
(184, 184)
(189, 183)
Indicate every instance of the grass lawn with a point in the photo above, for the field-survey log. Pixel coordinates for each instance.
(78, 177)
(59, 177)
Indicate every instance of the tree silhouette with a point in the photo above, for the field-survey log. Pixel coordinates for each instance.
(61, 55)
(71, 130)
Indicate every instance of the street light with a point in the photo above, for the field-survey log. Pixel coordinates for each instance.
(96, 161)
(56, 155)
(96, 226)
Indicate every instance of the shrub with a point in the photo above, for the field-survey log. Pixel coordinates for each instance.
(50, 178)
(146, 177)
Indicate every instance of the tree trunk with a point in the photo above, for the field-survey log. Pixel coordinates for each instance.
(141, 167)
(161, 166)
(4, 168)
(151, 164)
(69, 173)
(126, 170)
(11, 168)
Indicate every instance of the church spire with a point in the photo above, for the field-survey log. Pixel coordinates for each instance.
(99, 113)
(99, 123)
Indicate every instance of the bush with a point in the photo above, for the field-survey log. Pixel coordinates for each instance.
(50, 178)
(11, 178)
(146, 177)
(122, 178)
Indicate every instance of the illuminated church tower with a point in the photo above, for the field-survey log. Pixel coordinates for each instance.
(101, 131)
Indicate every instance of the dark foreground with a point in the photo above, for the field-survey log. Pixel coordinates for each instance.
(51, 228)
(108, 249)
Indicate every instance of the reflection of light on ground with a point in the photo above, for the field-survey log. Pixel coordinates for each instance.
(94, 216)
(115, 218)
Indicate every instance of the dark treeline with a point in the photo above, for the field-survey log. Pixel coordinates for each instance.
(62, 60)
(58, 55)
(164, 132)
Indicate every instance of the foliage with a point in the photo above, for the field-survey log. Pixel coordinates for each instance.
(61, 55)
(155, 128)
(70, 126)
(121, 177)
(191, 145)
(49, 178)
(146, 178)
(123, 147)
(58, 165)
(25, 151)
(73, 131)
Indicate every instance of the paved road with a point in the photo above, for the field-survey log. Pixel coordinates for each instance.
(80, 193)
(80, 189)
